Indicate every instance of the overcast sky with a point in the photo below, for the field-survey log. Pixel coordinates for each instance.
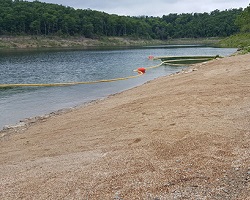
(152, 7)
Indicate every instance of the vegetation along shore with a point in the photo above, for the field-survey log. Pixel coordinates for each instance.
(40, 25)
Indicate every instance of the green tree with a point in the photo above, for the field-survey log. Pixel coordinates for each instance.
(35, 27)
(23, 17)
(243, 20)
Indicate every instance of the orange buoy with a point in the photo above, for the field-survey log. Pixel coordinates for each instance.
(150, 57)
(141, 70)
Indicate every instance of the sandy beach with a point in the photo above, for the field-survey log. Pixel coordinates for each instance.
(184, 136)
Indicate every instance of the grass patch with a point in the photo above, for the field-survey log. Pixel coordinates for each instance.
(241, 41)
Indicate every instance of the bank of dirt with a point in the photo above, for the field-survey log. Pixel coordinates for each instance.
(184, 136)
(40, 42)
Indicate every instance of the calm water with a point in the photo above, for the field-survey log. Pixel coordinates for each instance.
(78, 65)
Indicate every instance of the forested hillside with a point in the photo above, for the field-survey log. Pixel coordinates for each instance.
(36, 18)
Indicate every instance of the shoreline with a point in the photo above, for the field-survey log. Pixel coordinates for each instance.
(23, 124)
(40, 42)
(178, 136)
(50, 42)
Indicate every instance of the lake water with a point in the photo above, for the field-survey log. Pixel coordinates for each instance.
(53, 66)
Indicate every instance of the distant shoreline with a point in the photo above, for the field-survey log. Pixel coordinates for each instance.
(39, 42)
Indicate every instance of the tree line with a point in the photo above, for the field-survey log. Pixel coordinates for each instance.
(18, 17)
(243, 20)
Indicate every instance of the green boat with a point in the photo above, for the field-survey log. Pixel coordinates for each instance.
(185, 60)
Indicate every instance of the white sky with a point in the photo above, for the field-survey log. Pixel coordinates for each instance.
(152, 7)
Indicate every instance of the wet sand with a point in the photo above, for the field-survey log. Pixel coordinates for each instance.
(185, 136)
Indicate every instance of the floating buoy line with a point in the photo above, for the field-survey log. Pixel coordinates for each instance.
(140, 71)
(167, 60)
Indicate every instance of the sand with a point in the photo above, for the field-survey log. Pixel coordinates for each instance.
(184, 136)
